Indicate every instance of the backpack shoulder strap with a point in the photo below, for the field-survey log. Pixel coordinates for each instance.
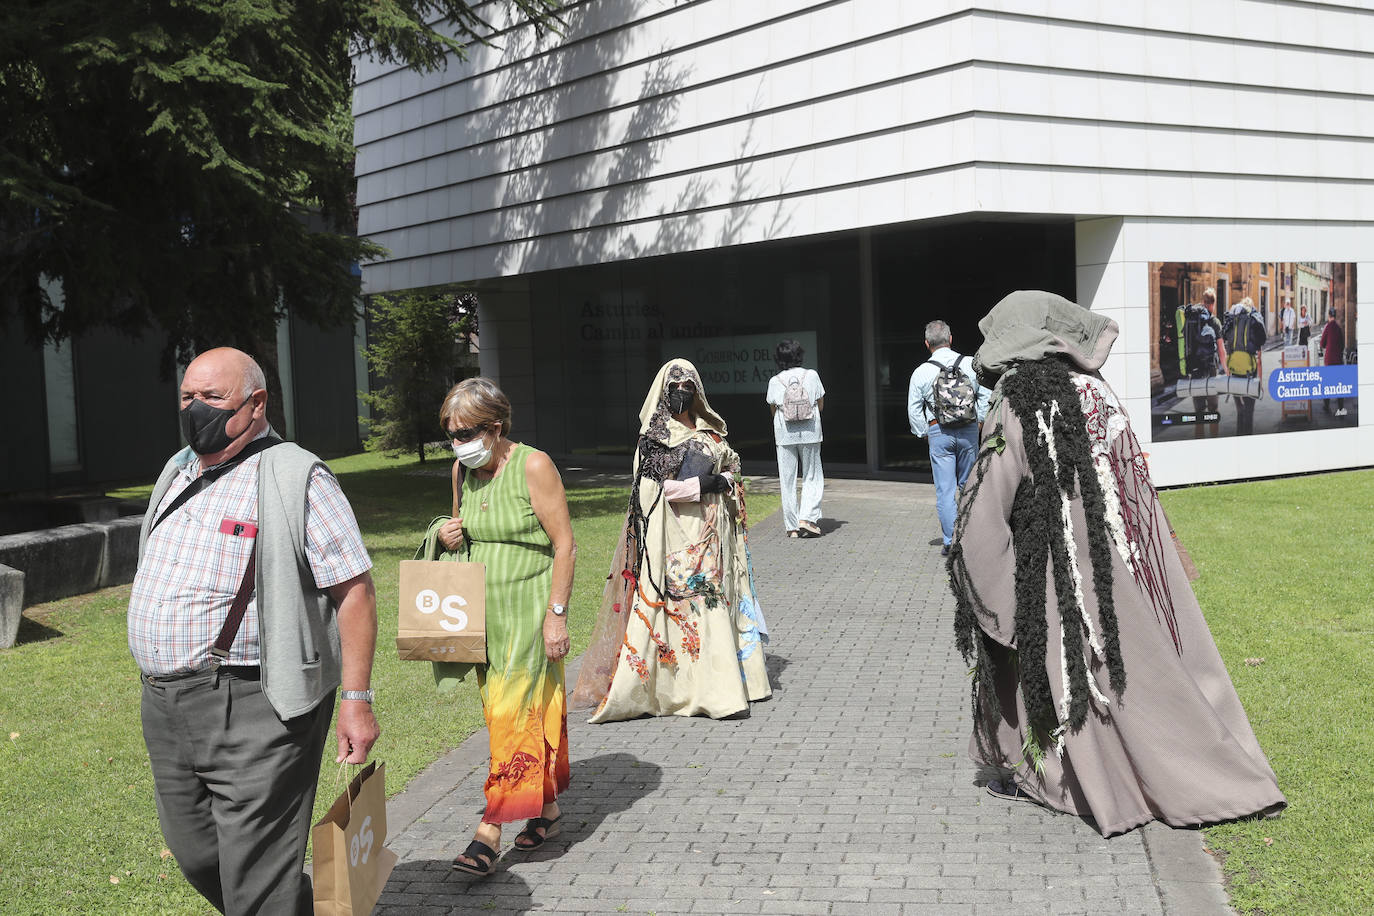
(977, 386)
(926, 403)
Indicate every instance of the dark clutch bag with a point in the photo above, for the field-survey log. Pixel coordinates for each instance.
(694, 464)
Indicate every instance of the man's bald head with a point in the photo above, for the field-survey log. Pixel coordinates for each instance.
(225, 362)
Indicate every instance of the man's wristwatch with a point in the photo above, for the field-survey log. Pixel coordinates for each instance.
(365, 695)
(558, 609)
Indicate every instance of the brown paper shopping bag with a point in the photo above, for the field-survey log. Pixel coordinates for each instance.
(351, 864)
(443, 613)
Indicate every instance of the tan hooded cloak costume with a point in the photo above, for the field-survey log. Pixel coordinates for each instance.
(680, 631)
(1097, 681)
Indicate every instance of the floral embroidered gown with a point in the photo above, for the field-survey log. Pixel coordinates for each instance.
(523, 693)
(680, 630)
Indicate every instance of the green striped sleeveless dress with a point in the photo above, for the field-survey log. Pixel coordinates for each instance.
(522, 691)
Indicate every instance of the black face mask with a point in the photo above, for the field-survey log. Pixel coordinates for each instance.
(679, 399)
(202, 426)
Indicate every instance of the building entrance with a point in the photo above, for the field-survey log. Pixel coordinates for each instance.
(599, 333)
(955, 272)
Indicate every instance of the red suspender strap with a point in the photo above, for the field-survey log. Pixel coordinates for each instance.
(236, 610)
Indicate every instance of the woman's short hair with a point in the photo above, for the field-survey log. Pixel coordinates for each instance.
(788, 354)
(478, 402)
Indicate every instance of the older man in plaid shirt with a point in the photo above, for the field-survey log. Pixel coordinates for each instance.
(246, 614)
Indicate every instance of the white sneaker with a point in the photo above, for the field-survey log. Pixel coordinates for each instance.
(1340, 412)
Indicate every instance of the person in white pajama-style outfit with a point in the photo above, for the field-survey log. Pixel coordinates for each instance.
(798, 442)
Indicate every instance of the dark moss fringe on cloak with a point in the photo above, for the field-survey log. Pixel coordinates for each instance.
(1039, 546)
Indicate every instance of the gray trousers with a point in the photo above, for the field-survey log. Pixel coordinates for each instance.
(235, 789)
(808, 457)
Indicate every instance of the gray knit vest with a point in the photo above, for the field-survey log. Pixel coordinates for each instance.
(297, 627)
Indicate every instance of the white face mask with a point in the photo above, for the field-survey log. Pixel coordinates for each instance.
(473, 454)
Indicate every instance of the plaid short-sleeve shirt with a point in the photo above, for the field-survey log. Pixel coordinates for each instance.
(194, 561)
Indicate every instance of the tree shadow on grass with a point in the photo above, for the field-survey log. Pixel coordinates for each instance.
(598, 501)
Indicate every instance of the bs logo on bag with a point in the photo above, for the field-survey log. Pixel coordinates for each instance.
(442, 612)
(360, 846)
(427, 601)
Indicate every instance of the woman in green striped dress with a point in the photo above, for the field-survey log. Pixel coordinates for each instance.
(510, 513)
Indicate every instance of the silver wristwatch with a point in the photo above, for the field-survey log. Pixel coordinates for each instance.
(365, 695)
(558, 609)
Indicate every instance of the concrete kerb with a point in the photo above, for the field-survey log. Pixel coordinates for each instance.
(1188, 879)
(40, 566)
(11, 604)
(56, 562)
(119, 560)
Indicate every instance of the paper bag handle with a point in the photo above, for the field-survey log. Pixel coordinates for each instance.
(458, 504)
(340, 780)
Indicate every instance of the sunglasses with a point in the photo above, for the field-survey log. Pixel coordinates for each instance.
(466, 434)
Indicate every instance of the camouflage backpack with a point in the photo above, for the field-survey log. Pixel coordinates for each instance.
(954, 396)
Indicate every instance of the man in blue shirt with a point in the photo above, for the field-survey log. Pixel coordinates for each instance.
(951, 450)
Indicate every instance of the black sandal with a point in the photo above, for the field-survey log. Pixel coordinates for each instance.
(534, 824)
(475, 851)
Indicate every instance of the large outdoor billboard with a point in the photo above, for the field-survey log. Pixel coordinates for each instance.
(1249, 348)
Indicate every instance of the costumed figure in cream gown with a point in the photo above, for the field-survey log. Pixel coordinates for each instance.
(680, 632)
(1097, 685)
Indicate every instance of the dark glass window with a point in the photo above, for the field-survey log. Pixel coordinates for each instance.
(955, 272)
(600, 334)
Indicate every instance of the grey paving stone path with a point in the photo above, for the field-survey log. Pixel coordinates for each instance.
(848, 792)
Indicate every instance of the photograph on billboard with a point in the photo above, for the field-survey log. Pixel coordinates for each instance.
(1250, 348)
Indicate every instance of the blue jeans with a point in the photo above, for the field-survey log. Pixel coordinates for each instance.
(951, 458)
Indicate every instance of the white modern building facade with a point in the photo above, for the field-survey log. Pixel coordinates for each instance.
(701, 178)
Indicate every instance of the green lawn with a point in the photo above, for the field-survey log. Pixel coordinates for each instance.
(79, 831)
(1286, 578)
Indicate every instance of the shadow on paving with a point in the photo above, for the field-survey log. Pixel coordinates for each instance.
(776, 665)
(830, 525)
(438, 888)
(601, 786)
